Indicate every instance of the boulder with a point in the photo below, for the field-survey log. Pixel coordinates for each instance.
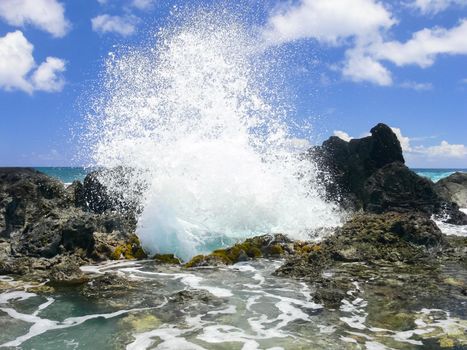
(369, 174)
(453, 188)
(27, 195)
(394, 187)
(350, 163)
(40, 224)
(94, 196)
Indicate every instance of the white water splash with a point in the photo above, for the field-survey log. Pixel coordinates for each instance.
(192, 115)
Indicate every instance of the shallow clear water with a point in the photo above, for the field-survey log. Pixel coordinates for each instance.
(247, 308)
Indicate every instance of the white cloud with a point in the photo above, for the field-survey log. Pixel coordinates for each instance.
(416, 86)
(435, 6)
(424, 46)
(18, 68)
(362, 26)
(404, 140)
(364, 63)
(328, 21)
(342, 135)
(47, 15)
(47, 78)
(361, 67)
(444, 149)
(114, 24)
(143, 4)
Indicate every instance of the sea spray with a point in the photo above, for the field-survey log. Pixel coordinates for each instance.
(193, 116)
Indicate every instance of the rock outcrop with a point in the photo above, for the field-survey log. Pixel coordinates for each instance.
(369, 245)
(265, 246)
(370, 174)
(454, 188)
(40, 219)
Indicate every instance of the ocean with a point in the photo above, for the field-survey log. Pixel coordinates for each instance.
(70, 174)
(437, 174)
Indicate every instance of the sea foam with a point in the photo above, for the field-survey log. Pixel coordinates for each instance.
(193, 113)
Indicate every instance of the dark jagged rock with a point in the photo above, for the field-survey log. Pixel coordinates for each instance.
(394, 187)
(453, 188)
(351, 163)
(92, 195)
(27, 195)
(369, 174)
(39, 219)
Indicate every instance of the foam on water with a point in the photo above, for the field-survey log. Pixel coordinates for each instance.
(193, 114)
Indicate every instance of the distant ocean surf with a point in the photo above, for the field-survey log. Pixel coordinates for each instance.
(70, 174)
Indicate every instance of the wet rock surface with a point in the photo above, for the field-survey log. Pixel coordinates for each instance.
(404, 252)
(265, 246)
(42, 229)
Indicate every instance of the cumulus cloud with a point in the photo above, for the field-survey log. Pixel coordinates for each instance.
(361, 67)
(124, 26)
(342, 135)
(47, 15)
(444, 149)
(435, 6)
(328, 21)
(416, 86)
(364, 62)
(19, 71)
(424, 46)
(404, 140)
(361, 27)
(47, 75)
(143, 4)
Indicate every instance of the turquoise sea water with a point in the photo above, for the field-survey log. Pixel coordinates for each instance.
(65, 174)
(437, 174)
(70, 174)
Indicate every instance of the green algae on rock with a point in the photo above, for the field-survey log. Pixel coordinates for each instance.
(170, 259)
(265, 246)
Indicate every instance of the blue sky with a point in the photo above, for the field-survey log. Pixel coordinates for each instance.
(355, 63)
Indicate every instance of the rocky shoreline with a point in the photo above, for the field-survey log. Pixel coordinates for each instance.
(390, 246)
(48, 230)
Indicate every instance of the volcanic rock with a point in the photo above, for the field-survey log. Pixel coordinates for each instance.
(453, 188)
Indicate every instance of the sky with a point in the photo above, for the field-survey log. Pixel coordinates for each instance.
(356, 63)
